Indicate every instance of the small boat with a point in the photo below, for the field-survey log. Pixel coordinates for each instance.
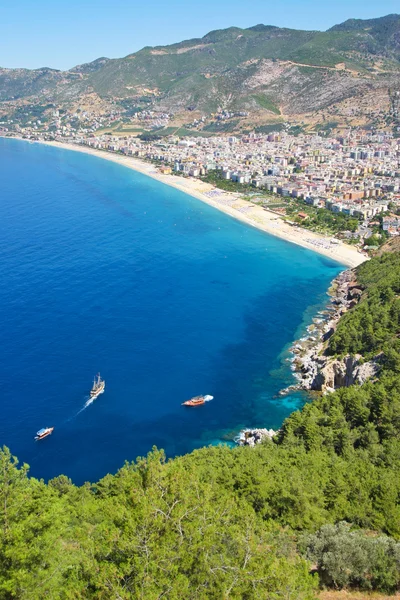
(197, 400)
(42, 433)
(98, 387)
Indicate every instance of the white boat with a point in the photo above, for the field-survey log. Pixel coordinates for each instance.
(98, 387)
(42, 433)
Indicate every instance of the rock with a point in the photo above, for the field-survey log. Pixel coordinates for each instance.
(366, 371)
(338, 373)
(251, 437)
(328, 334)
(317, 372)
(354, 293)
(318, 382)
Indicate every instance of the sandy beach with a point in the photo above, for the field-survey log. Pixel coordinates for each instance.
(229, 203)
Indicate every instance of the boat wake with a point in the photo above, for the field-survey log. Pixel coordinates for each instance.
(89, 402)
(208, 398)
(84, 407)
(97, 389)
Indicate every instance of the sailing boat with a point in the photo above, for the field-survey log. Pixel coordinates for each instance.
(98, 387)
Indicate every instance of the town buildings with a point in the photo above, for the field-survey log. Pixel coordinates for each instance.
(357, 174)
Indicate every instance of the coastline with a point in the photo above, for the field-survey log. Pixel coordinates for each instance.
(305, 356)
(229, 203)
(307, 351)
(313, 368)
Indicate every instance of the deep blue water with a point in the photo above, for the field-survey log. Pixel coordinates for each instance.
(104, 269)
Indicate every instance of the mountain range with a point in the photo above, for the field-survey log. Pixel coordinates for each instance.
(273, 73)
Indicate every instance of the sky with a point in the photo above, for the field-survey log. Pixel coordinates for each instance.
(61, 34)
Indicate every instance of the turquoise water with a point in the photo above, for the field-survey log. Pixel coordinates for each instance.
(104, 269)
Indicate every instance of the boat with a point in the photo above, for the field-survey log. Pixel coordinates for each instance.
(98, 387)
(197, 400)
(44, 432)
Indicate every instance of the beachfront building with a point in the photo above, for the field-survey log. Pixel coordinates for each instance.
(357, 174)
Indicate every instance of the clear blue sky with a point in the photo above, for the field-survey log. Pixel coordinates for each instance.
(61, 33)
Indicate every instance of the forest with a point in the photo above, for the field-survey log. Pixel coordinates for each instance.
(319, 506)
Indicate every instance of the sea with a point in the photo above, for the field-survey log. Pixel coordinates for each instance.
(103, 269)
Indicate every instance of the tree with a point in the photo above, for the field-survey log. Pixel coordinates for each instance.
(347, 558)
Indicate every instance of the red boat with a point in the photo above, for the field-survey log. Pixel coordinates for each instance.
(42, 433)
(197, 400)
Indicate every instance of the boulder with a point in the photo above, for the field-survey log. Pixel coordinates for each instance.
(251, 437)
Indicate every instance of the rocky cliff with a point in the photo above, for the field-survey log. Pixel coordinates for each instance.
(330, 374)
(316, 371)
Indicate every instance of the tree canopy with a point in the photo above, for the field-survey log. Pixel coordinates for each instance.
(240, 523)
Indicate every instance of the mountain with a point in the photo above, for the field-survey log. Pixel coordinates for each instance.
(20, 83)
(269, 71)
(385, 32)
(91, 67)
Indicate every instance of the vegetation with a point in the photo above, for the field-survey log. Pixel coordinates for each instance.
(382, 29)
(181, 132)
(321, 219)
(221, 69)
(347, 558)
(31, 113)
(215, 178)
(221, 126)
(149, 136)
(326, 128)
(130, 106)
(265, 102)
(374, 324)
(318, 219)
(376, 240)
(296, 130)
(271, 128)
(243, 523)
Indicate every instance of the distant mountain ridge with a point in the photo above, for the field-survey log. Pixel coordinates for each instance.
(263, 69)
(91, 67)
(384, 30)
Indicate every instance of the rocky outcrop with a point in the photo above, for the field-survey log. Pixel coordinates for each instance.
(251, 437)
(330, 374)
(314, 370)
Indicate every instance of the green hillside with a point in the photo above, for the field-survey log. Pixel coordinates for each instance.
(232, 68)
(384, 31)
(21, 83)
(220, 53)
(318, 506)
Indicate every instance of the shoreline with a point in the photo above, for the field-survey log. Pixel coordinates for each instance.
(230, 204)
(312, 367)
